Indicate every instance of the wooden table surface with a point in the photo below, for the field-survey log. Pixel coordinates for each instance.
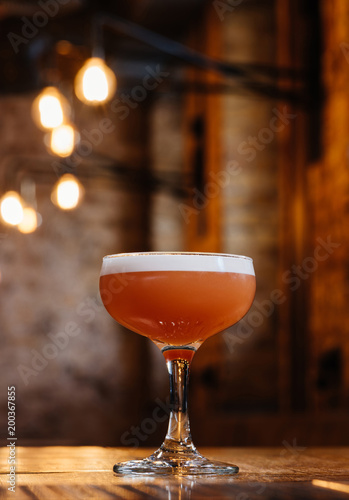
(265, 473)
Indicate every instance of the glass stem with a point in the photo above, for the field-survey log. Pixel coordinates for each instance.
(178, 437)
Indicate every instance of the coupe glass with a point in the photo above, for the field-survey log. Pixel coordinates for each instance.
(177, 300)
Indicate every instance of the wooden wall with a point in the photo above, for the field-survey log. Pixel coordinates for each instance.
(328, 182)
(287, 208)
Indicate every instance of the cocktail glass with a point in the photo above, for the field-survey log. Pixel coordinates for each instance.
(178, 300)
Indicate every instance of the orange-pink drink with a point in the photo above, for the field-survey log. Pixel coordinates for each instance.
(162, 297)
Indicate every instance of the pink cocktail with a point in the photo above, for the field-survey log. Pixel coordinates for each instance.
(177, 300)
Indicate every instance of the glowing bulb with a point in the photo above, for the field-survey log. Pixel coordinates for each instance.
(11, 208)
(63, 140)
(51, 113)
(29, 222)
(67, 192)
(95, 83)
(49, 108)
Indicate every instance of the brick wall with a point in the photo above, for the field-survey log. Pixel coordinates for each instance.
(49, 283)
(106, 379)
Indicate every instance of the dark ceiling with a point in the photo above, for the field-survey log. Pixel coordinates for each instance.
(30, 30)
(31, 55)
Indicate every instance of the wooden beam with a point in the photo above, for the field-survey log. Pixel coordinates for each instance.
(203, 152)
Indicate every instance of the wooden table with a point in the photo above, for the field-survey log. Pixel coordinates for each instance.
(265, 473)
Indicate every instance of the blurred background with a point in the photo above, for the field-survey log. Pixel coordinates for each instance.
(227, 132)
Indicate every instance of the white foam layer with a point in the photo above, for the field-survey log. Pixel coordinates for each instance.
(158, 261)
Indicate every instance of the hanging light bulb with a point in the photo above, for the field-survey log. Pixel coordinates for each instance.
(11, 208)
(51, 112)
(50, 108)
(67, 193)
(95, 83)
(63, 140)
(29, 222)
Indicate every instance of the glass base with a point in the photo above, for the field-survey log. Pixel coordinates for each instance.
(181, 464)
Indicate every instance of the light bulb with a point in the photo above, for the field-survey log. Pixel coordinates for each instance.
(95, 83)
(49, 108)
(51, 112)
(29, 222)
(67, 193)
(62, 141)
(11, 208)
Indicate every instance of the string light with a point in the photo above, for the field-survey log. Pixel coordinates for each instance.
(63, 140)
(29, 222)
(50, 108)
(11, 208)
(67, 193)
(95, 83)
